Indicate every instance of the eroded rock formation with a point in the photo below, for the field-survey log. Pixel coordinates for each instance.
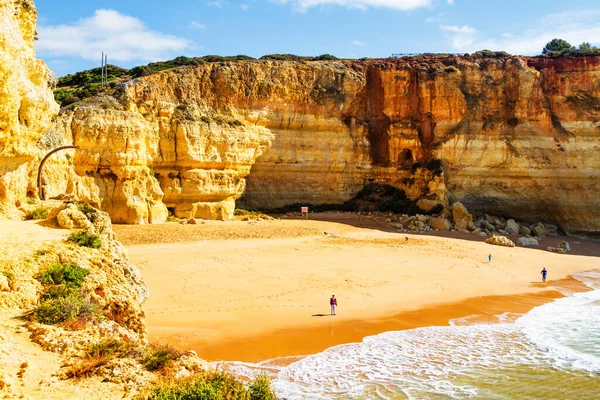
(26, 101)
(513, 136)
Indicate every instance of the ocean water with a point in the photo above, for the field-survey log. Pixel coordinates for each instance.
(552, 352)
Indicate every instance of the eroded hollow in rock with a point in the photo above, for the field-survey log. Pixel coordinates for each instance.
(380, 141)
(405, 159)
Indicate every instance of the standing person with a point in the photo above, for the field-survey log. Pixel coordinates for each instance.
(490, 258)
(333, 304)
(544, 273)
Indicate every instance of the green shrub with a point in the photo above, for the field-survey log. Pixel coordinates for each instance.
(85, 239)
(158, 356)
(38, 213)
(70, 275)
(260, 388)
(62, 300)
(211, 385)
(56, 310)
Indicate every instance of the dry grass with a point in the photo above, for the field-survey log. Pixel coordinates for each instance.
(98, 355)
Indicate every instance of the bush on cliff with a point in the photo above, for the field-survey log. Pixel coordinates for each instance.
(211, 385)
(73, 307)
(70, 275)
(556, 45)
(260, 388)
(99, 354)
(158, 356)
(85, 239)
(62, 299)
(38, 213)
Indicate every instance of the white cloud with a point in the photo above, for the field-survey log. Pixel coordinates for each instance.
(575, 27)
(197, 25)
(451, 2)
(402, 5)
(459, 36)
(357, 43)
(244, 7)
(122, 37)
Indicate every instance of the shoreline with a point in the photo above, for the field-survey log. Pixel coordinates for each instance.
(246, 291)
(299, 342)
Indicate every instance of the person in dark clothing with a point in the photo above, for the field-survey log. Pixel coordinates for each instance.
(333, 304)
(544, 273)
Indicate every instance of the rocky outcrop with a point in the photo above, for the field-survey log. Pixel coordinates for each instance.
(513, 136)
(26, 102)
(500, 241)
(139, 159)
(461, 217)
(440, 224)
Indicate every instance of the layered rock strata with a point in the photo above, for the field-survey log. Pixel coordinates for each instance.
(513, 136)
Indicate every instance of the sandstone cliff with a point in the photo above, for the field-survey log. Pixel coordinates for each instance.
(26, 101)
(514, 136)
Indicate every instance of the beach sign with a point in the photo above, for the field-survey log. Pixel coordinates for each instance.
(304, 212)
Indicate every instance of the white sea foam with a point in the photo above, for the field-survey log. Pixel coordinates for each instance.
(568, 329)
(438, 361)
(448, 362)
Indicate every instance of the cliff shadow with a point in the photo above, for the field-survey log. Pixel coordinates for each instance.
(579, 247)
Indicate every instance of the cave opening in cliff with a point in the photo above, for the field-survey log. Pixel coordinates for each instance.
(406, 159)
(380, 141)
(378, 122)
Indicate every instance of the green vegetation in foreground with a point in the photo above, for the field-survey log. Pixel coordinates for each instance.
(99, 354)
(62, 299)
(85, 239)
(70, 275)
(38, 213)
(212, 385)
(158, 356)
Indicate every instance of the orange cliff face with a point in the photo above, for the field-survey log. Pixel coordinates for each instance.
(513, 136)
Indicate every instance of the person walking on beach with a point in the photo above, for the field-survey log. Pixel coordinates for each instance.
(490, 258)
(544, 273)
(333, 304)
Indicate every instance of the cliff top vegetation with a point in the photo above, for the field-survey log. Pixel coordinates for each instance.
(85, 84)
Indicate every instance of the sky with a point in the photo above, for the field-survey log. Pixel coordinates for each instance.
(73, 33)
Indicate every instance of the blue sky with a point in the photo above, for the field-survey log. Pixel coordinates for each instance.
(72, 33)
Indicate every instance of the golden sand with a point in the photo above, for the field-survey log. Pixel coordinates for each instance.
(252, 291)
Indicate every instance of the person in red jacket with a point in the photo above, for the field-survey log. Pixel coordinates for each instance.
(333, 303)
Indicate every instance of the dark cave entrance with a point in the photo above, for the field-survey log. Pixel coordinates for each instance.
(406, 159)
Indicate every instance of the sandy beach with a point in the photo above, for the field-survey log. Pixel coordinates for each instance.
(250, 291)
